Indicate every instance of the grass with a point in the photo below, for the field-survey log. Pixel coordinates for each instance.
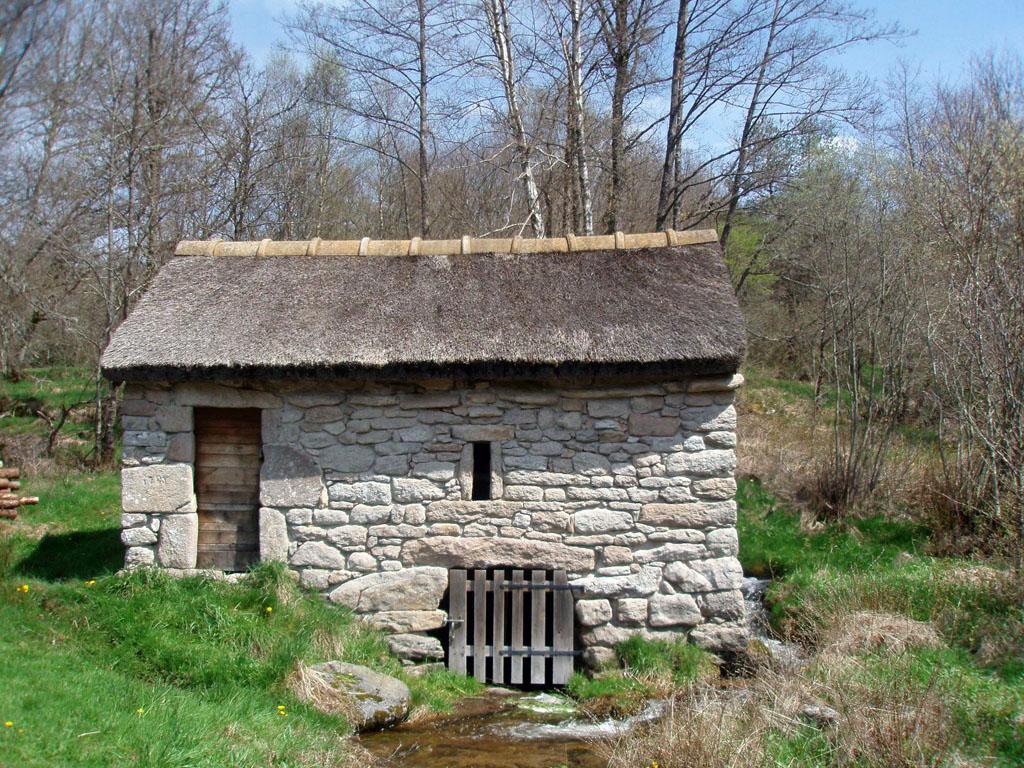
(827, 578)
(647, 669)
(142, 669)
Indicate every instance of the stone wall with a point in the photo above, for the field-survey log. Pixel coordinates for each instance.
(364, 494)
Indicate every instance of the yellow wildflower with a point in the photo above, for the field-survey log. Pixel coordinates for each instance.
(8, 724)
(280, 707)
(269, 609)
(23, 588)
(140, 711)
(90, 582)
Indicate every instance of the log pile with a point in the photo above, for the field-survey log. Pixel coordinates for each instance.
(9, 500)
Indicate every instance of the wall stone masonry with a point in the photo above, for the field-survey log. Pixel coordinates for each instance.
(365, 494)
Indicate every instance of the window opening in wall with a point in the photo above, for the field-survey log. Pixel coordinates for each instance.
(481, 471)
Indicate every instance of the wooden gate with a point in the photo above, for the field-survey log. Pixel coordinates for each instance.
(228, 448)
(511, 626)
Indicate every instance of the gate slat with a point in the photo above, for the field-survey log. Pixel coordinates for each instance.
(498, 628)
(538, 600)
(516, 676)
(457, 621)
(480, 625)
(563, 630)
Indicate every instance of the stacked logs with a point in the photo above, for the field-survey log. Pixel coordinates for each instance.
(9, 500)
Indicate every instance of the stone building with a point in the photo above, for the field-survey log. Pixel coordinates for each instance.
(375, 413)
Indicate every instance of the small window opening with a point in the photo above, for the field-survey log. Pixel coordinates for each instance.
(481, 471)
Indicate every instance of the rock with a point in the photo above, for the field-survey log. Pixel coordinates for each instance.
(632, 610)
(590, 464)
(701, 514)
(652, 425)
(715, 488)
(721, 638)
(671, 552)
(361, 493)
(603, 409)
(434, 470)
(289, 477)
(718, 462)
(673, 610)
(820, 715)
(721, 572)
(723, 605)
(409, 490)
(411, 589)
(157, 488)
(174, 418)
(138, 537)
(273, 536)
(347, 458)
(716, 384)
(640, 584)
(590, 613)
(597, 658)
(369, 699)
(406, 621)
(179, 541)
(221, 396)
(723, 542)
(347, 536)
(362, 561)
(136, 557)
(409, 647)
(602, 520)
(686, 579)
(455, 552)
(364, 514)
(317, 554)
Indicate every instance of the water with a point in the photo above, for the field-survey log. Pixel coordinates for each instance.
(497, 730)
(509, 729)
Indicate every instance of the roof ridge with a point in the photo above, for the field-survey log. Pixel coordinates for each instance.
(464, 245)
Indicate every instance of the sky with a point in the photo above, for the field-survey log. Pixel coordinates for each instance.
(946, 33)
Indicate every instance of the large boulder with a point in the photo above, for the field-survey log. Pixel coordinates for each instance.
(411, 589)
(368, 699)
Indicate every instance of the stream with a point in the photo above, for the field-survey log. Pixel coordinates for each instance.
(512, 729)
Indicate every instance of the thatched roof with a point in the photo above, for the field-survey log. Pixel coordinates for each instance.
(524, 308)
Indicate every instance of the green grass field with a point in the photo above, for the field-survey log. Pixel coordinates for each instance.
(102, 670)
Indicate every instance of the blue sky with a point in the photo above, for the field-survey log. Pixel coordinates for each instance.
(948, 32)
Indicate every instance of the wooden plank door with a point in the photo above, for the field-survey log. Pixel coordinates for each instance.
(515, 617)
(228, 457)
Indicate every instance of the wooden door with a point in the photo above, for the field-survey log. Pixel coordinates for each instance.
(228, 456)
(506, 620)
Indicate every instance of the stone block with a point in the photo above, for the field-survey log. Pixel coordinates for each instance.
(273, 536)
(673, 610)
(370, 492)
(701, 514)
(137, 557)
(406, 621)
(715, 488)
(617, 555)
(723, 542)
(726, 605)
(644, 582)
(179, 541)
(649, 424)
(138, 537)
(174, 418)
(182, 447)
(454, 552)
(708, 463)
(611, 408)
(524, 493)
(721, 572)
(482, 432)
(591, 613)
(686, 578)
(364, 514)
(363, 562)
(158, 488)
(411, 589)
(348, 458)
(317, 554)
(671, 552)
(632, 610)
(716, 383)
(409, 490)
(588, 464)
(220, 396)
(289, 477)
(602, 521)
(409, 647)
